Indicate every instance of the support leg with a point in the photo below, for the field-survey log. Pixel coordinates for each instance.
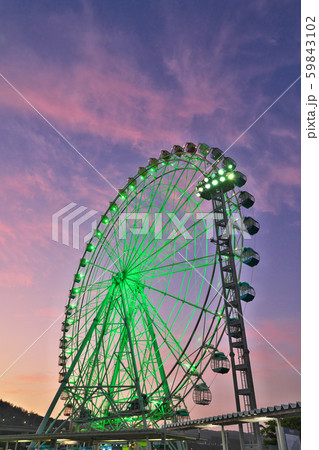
(241, 437)
(280, 435)
(224, 439)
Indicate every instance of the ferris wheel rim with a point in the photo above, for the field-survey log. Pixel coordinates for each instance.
(107, 212)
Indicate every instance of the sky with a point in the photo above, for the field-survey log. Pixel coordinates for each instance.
(89, 92)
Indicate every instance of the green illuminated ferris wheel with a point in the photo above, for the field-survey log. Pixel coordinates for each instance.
(151, 301)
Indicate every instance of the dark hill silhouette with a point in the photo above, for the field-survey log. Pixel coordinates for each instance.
(15, 418)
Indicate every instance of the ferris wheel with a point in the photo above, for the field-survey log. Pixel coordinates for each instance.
(154, 297)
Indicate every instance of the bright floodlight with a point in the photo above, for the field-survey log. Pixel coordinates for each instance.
(229, 164)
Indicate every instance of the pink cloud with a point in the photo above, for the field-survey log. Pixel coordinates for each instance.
(116, 101)
(275, 184)
(111, 97)
(275, 343)
(27, 185)
(286, 133)
(32, 378)
(15, 278)
(50, 311)
(119, 99)
(5, 232)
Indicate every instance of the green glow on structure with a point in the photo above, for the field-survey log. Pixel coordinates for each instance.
(78, 277)
(133, 330)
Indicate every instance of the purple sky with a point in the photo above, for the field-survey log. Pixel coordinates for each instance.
(122, 81)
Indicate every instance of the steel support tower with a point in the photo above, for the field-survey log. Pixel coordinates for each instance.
(235, 327)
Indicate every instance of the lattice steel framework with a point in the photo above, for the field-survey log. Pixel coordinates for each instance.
(148, 303)
(239, 353)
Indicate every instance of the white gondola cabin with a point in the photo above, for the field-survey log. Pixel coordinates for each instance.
(202, 394)
(246, 292)
(219, 363)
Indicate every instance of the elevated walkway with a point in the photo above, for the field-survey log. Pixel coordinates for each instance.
(174, 431)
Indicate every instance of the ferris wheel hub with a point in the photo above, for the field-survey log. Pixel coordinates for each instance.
(120, 277)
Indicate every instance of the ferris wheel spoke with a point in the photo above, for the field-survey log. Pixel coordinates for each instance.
(106, 269)
(96, 286)
(88, 315)
(154, 192)
(146, 346)
(184, 363)
(117, 245)
(110, 351)
(149, 200)
(165, 333)
(153, 343)
(185, 302)
(169, 191)
(94, 358)
(175, 238)
(179, 236)
(177, 267)
(131, 210)
(150, 204)
(151, 257)
(181, 364)
(127, 321)
(122, 374)
(113, 255)
(117, 377)
(87, 356)
(123, 340)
